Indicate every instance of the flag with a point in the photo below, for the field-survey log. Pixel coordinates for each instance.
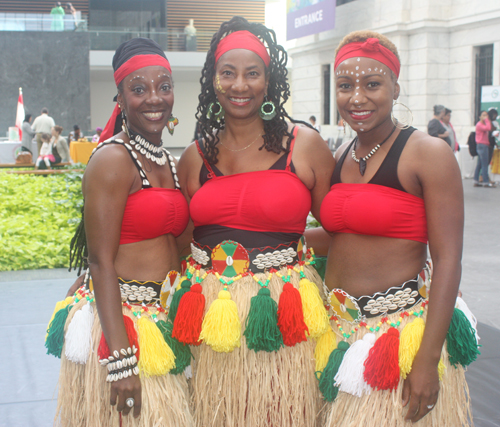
(20, 113)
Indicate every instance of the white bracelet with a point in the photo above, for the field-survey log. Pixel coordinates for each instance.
(121, 368)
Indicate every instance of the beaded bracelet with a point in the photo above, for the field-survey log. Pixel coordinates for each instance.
(121, 368)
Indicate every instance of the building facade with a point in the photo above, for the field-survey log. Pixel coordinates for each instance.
(448, 50)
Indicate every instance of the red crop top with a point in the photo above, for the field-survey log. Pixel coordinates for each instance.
(269, 200)
(374, 210)
(152, 212)
(379, 208)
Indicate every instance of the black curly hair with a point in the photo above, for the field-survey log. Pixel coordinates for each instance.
(278, 90)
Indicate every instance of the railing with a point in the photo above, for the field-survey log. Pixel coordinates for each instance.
(42, 22)
(174, 40)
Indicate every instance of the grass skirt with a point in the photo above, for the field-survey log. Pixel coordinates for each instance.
(383, 408)
(248, 388)
(83, 399)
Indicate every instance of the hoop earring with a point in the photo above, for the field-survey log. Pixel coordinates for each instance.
(402, 124)
(267, 110)
(172, 122)
(215, 112)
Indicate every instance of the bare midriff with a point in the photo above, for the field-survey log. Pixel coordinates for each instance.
(147, 260)
(363, 265)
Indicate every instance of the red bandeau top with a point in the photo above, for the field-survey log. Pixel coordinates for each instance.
(152, 212)
(269, 200)
(374, 210)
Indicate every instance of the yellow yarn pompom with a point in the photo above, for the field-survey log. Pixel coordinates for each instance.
(60, 304)
(441, 369)
(156, 357)
(409, 343)
(221, 328)
(325, 344)
(315, 314)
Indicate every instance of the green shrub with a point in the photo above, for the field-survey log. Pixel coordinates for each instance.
(38, 216)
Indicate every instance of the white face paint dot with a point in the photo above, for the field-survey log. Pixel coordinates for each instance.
(352, 72)
(357, 80)
(356, 101)
(359, 59)
(357, 67)
(362, 72)
(376, 68)
(362, 130)
(357, 93)
(357, 87)
(384, 73)
(369, 69)
(360, 124)
(357, 74)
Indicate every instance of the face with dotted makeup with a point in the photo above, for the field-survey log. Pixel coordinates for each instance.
(147, 97)
(365, 91)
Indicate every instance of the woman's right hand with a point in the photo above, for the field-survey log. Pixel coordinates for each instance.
(124, 389)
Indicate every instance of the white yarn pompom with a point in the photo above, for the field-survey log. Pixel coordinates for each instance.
(349, 378)
(78, 338)
(462, 306)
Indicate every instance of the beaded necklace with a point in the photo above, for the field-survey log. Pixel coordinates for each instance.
(363, 160)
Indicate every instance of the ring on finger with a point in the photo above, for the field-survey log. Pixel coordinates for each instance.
(130, 402)
(430, 406)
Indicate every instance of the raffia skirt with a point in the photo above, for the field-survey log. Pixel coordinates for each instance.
(254, 389)
(84, 394)
(383, 408)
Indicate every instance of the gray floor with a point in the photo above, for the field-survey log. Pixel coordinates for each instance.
(29, 376)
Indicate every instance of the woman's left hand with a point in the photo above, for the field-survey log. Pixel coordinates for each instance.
(420, 389)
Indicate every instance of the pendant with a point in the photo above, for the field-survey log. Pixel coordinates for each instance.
(362, 166)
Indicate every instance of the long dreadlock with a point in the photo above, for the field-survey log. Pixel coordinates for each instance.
(278, 90)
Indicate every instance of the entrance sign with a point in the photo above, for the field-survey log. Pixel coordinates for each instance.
(306, 17)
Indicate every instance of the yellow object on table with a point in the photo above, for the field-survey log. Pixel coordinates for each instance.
(495, 162)
(80, 151)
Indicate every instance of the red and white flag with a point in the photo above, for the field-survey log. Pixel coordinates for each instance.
(20, 113)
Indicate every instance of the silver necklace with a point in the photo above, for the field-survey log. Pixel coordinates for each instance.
(363, 160)
(239, 149)
(149, 150)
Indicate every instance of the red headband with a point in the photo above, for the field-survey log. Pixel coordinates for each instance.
(371, 48)
(133, 64)
(242, 40)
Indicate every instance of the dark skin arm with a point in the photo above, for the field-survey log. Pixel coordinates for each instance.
(441, 186)
(106, 186)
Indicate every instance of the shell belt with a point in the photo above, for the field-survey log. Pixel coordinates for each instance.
(393, 300)
(231, 258)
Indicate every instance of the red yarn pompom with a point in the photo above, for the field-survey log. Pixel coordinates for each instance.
(291, 316)
(189, 318)
(382, 364)
(103, 349)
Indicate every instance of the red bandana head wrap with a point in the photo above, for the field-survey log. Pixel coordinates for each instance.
(242, 40)
(134, 63)
(371, 48)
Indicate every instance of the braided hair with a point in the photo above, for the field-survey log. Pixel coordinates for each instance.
(278, 90)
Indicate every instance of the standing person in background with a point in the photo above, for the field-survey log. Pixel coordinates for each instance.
(483, 128)
(57, 14)
(28, 134)
(59, 146)
(312, 119)
(435, 127)
(492, 116)
(452, 136)
(42, 124)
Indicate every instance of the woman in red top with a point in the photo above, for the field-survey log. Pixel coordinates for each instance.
(394, 189)
(133, 212)
(252, 181)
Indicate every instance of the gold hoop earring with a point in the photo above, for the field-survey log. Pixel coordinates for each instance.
(402, 123)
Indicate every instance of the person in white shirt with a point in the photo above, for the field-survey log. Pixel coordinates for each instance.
(42, 124)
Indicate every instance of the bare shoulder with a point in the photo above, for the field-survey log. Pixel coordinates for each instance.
(309, 141)
(190, 157)
(429, 149)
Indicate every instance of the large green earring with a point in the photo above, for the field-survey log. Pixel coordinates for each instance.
(267, 110)
(215, 112)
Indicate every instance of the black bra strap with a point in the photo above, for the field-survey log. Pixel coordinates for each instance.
(338, 167)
